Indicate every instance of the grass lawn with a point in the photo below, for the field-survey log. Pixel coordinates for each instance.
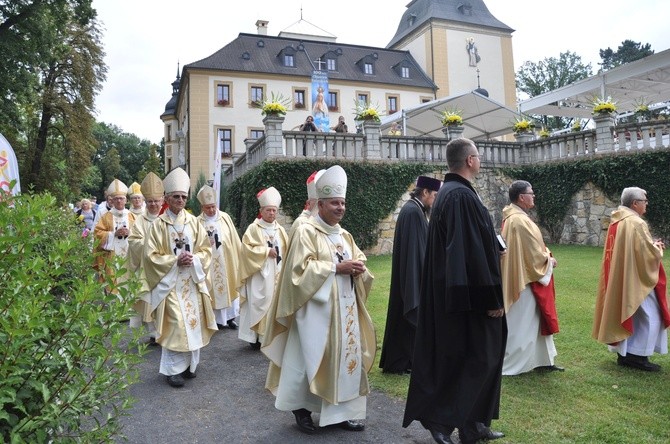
(593, 401)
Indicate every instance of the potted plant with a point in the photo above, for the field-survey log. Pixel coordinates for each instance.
(451, 118)
(603, 107)
(642, 112)
(223, 102)
(523, 126)
(367, 113)
(544, 133)
(576, 127)
(276, 105)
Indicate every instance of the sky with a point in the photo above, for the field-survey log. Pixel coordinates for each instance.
(144, 40)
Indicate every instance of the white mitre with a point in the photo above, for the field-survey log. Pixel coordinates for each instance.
(177, 180)
(269, 197)
(117, 188)
(206, 195)
(332, 183)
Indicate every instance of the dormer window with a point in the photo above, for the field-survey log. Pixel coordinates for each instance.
(403, 69)
(465, 8)
(367, 64)
(287, 57)
(331, 64)
(330, 58)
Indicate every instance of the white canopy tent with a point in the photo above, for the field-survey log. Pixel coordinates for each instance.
(483, 118)
(644, 81)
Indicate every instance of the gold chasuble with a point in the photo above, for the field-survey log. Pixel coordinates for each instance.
(107, 245)
(180, 302)
(631, 267)
(226, 250)
(323, 316)
(258, 275)
(135, 253)
(527, 258)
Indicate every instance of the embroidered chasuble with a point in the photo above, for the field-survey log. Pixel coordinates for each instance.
(258, 274)
(226, 250)
(135, 252)
(107, 245)
(319, 324)
(180, 301)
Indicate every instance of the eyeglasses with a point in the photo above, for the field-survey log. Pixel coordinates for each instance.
(474, 155)
(530, 194)
(642, 200)
(179, 196)
(153, 202)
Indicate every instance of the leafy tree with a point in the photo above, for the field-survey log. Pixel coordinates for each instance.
(51, 72)
(135, 157)
(534, 79)
(627, 52)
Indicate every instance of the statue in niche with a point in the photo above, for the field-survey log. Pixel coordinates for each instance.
(472, 51)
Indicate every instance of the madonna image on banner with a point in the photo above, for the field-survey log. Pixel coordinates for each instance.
(319, 105)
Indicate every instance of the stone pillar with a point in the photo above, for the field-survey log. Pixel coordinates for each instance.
(453, 132)
(274, 136)
(523, 139)
(372, 149)
(604, 127)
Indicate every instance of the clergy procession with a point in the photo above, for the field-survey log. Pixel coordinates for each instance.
(466, 305)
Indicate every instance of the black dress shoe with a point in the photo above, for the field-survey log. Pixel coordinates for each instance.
(175, 380)
(232, 324)
(220, 326)
(487, 434)
(550, 368)
(152, 342)
(303, 418)
(352, 426)
(255, 345)
(188, 374)
(638, 362)
(441, 438)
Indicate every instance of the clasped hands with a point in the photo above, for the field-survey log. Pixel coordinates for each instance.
(185, 259)
(658, 243)
(122, 232)
(350, 267)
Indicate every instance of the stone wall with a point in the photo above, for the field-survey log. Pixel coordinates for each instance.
(585, 224)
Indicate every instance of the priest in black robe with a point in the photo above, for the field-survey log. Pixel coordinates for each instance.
(461, 328)
(409, 248)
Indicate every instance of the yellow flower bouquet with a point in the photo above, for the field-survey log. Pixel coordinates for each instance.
(523, 125)
(603, 106)
(451, 118)
(276, 105)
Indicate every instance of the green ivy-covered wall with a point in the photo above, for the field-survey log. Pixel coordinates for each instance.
(372, 192)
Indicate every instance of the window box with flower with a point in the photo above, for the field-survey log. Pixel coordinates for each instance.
(223, 102)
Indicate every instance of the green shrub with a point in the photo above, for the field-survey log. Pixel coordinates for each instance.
(556, 184)
(372, 191)
(65, 364)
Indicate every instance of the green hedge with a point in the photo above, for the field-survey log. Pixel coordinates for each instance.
(555, 184)
(372, 191)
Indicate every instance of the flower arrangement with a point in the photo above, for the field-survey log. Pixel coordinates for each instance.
(642, 110)
(276, 105)
(522, 126)
(367, 112)
(452, 118)
(603, 107)
(576, 127)
(544, 133)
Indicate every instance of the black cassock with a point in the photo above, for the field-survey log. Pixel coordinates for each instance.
(459, 350)
(409, 247)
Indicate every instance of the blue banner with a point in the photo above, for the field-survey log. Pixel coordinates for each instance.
(319, 100)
